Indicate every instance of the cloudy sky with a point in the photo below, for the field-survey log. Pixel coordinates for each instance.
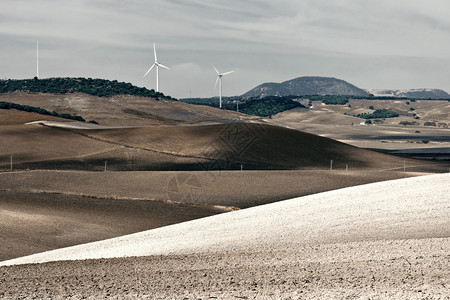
(397, 44)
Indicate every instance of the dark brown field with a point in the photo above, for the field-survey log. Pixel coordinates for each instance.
(37, 222)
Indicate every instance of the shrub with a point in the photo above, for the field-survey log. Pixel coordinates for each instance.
(379, 113)
(39, 110)
(406, 123)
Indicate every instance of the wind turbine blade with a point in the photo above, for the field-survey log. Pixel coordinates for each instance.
(227, 73)
(154, 52)
(217, 80)
(149, 70)
(163, 66)
(216, 70)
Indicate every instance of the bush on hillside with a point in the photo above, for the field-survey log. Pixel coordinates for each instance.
(379, 113)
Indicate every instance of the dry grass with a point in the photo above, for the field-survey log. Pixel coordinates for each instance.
(123, 110)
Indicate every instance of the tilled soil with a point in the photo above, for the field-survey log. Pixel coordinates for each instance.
(385, 269)
(33, 222)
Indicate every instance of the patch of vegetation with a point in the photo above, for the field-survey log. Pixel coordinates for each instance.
(263, 107)
(268, 106)
(371, 107)
(330, 99)
(95, 87)
(379, 113)
(407, 123)
(429, 124)
(214, 101)
(412, 108)
(39, 110)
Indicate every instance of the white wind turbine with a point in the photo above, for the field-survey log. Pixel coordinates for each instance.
(219, 79)
(157, 64)
(37, 59)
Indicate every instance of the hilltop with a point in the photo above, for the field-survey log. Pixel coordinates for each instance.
(95, 87)
(306, 86)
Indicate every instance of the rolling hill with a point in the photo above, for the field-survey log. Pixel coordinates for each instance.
(224, 146)
(122, 110)
(306, 86)
(412, 93)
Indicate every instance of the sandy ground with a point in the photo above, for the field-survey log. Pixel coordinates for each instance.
(386, 240)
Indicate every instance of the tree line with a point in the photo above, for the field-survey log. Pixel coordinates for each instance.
(39, 110)
(95, 87)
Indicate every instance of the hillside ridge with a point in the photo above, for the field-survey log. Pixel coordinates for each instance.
(68, 85)
(307, 86)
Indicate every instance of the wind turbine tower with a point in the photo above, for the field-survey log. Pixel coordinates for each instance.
(219, 80)
(37, 59)
(157, 64)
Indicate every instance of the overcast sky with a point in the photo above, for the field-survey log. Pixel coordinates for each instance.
(397, 44)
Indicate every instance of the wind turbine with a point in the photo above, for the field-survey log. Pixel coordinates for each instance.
(37, 59)
(219, 79)
(157, 64)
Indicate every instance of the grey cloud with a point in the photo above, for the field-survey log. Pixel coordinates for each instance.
(263, 40)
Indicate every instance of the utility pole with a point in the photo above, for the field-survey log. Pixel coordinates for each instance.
(346, 167)
(404, 166)
(105, 165)
(331, 165)
(11, 162)
(242, 167)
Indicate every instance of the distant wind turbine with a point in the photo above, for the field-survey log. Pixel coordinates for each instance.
(219, 80)
(157, 64)
(37, 59)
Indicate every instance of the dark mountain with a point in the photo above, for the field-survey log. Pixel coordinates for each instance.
(306, 86)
